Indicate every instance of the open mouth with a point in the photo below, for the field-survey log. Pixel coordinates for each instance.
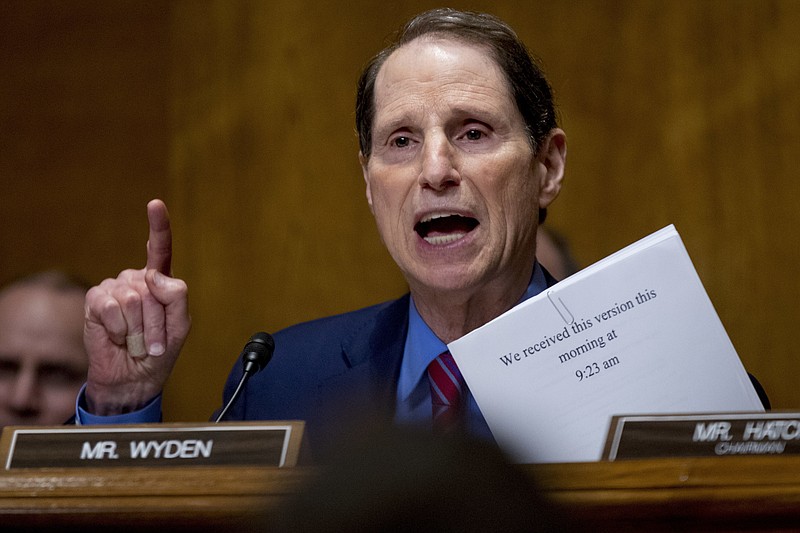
(443, 229)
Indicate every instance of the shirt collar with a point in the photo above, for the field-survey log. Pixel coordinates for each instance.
(423, 346)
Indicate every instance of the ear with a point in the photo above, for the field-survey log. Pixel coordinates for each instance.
(365, 172)
(551, 161)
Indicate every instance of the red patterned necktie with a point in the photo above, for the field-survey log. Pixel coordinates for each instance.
(447, 387)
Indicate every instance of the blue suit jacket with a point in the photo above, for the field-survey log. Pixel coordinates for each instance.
(334, 373)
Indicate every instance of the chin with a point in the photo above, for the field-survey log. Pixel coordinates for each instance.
(445, 279)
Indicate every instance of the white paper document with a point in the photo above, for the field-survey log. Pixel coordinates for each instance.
(633, 333)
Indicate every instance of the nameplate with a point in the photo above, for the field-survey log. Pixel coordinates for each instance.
(153, 445)
(702, 435)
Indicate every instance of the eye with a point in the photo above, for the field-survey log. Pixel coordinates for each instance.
(401, 141)
(474, 135)
(8, 369)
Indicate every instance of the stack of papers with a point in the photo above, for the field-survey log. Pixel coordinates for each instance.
(633, 333)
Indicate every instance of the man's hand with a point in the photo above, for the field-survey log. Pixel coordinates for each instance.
(135, 327)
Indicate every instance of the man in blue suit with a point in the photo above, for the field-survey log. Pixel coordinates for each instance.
(461, 155)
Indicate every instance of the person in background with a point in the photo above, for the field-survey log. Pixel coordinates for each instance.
(554, 254)
(43, 362)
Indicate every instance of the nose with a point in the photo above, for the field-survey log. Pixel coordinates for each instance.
(438, 170)
(24, 395)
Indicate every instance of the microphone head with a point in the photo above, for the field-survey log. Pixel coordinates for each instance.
(258, 352)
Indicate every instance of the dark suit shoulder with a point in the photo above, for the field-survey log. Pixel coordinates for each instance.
(342, 326)
(310, 354)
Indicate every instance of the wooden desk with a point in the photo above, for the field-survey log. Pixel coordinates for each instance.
(704, 494)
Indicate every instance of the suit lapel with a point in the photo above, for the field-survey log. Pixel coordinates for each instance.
(372, 353)
(365, 392)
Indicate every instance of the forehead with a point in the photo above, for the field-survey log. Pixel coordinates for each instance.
(432, 70)
(41, 324)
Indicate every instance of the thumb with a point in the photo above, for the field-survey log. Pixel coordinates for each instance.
(172, 294)
(164, 288)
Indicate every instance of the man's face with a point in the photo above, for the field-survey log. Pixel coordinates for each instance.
(452, 179)
(42, 360)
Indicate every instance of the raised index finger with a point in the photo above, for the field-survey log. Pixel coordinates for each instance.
(159, 243)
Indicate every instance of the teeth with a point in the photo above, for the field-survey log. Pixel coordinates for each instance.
(438, 215)
(444, 239)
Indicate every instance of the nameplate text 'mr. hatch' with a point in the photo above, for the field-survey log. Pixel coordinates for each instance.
(703, 435)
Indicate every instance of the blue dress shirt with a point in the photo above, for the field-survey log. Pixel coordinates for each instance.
(423, 346)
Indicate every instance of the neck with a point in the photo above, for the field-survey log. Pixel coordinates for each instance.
(453, 314)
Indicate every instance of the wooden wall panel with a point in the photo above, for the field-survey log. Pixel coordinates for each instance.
(240, 114)
(84, 133)
(272, 223)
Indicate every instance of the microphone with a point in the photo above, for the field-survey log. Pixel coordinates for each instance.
(256, 354)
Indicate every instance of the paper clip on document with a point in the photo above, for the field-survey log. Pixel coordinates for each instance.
(561, 308)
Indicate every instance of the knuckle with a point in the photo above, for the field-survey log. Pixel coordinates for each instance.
(107, 307)
(131, 277)
(129, 298)
(181, 286)
(106, 285)
(94, 294)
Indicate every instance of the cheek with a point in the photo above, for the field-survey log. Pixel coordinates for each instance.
(380, 197)
(61, 397)
(512, 194)
(388, 201)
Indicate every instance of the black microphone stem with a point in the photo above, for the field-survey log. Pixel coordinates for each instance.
(234, 396)
(255, 356)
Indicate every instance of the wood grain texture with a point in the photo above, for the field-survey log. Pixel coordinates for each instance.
(708, 494)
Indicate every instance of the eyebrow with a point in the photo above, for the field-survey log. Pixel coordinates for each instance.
(8, 360)
(393, 125)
